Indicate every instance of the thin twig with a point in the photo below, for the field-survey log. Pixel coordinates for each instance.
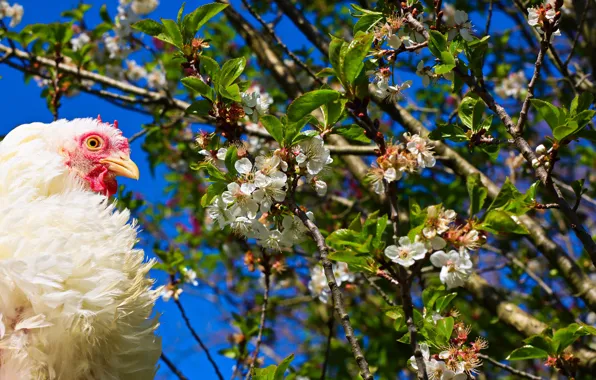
(172, 367)
(577, 34)
(338, 301)
(267, 273)
(379, 290)
(330, 324)
(197, 338)
(514, 371)
(489, 18)
(271, 32)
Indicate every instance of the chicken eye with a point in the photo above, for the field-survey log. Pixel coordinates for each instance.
(93, 143)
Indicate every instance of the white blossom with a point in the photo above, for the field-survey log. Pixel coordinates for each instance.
(406, 253)
(456, 267)
(190, 276)
(218, 212)
(424, 72)
(143, 7)
(14, 12)
(389, 93)
(461, 26)
(241, 200)
(269, 189)
(436, 369)
(314, 155)
(437, 221)
(342, 273)
(320, 187)
(318, 284)
(512, 86)
(134, 71)
(420, 147)
(256, 103)
(157, 79)
(112, 46)
(80, 41)
(167, 293)
(294, 230)
(267, 165)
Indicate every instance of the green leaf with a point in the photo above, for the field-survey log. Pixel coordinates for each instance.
(437, 43)
(550, 113)
(449, 131)
(196, 84)
(542, 342)
(335, 48)
(527, 352)
(231, 92)
(578, 187)
(200, 108)
(172, 30)
(442, 302)
(367, 22)
(197, 18)
(333, 111)
(180, 13)
(214, 190)
(381, 226)
(581, 102)
(444, 329)
(282, 367)
(498, 222)
(352, 132)
(105, 16)
(566, 130)
(209, 66)
(477, 192)
(305, 104)
(470, 112)
(273, 126)
(230, 159)
(356, 224)
(230, 71)
(511, 200)
(564, 337)
(356, 52)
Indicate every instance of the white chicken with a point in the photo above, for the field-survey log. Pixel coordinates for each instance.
(75, 299)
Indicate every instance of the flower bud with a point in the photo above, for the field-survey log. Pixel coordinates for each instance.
(540, 150)
(535, 163)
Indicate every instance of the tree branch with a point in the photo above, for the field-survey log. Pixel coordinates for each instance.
(267, 273)
(507, 368)
(197, 338)
(338, 302)
(172, 367)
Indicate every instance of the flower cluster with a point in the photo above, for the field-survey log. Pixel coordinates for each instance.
(543, 17)
(410, 157)
(156, 78)
(439, 229)
(318, 285)
(460, 25)
(256, 103)
(512, 86)
(14, 12)
(458, 362)
(141, 7)
(396, 35)
(246, 204)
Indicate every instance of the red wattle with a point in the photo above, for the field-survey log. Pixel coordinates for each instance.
(102, 181)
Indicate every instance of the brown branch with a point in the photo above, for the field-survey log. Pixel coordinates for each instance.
(577, 34)
(379, 290)
(523, 115)
(172, 367)
(558, 258)
(540, 172)
(312, 34)
(330, 324)
(513, 316)
(489, 18)
(267, 273)
(338, 302)
(510, 369)
(271, 32)
(197, 338)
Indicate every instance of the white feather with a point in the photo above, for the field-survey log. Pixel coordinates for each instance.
(75, 299)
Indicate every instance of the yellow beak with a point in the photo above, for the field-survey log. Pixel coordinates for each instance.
(122, 166)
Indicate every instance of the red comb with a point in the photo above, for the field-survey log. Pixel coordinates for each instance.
(116, 124)
(99, 118)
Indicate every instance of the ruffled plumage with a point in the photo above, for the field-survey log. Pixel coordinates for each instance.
(75, 298)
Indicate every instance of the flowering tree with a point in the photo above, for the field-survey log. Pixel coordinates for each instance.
(436, 227)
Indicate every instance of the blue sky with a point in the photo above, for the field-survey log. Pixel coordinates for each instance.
(22, 104)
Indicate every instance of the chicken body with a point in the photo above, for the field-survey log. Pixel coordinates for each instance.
(75, 298)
